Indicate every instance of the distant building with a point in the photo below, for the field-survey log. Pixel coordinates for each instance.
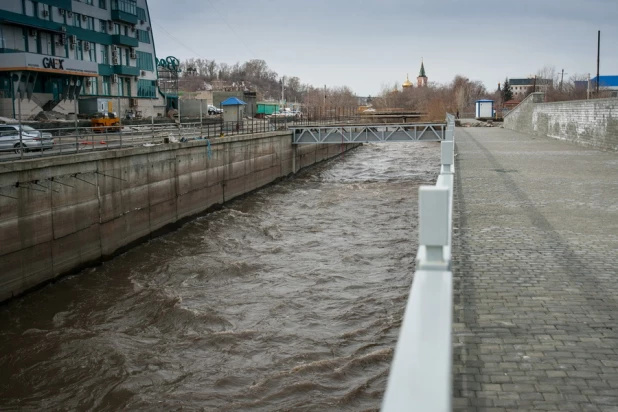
(407, 84)
(605, 83)
(520, 87)
(421, 80)
(57, 51)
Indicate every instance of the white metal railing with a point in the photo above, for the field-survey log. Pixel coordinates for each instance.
(420, 376)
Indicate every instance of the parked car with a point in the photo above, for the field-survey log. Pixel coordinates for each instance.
(214, 110)
(31, 139)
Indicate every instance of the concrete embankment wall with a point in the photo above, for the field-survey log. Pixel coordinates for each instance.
(591, 123)
(60, 214)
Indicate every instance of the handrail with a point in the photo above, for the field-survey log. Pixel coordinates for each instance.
(420, 376)
(73, 139)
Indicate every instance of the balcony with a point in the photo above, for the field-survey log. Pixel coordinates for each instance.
(125, 40)
(124, 10)
(126, 70)
(124, 17)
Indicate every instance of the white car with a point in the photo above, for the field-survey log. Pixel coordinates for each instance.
(214, 110)
(31, 139)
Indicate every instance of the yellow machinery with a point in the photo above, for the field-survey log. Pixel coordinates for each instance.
(105, 122)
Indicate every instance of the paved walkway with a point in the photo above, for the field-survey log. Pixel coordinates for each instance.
(536, 274)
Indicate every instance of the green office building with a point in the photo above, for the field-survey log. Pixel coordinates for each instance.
(68, 55)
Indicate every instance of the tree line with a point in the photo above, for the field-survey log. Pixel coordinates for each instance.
(435, 99)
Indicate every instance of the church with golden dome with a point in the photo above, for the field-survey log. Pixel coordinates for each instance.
(421, 79)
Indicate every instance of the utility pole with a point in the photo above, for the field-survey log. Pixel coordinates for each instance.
(282, 90)
(598, 60)
(324, 100)
(534, 85)
(561, 79)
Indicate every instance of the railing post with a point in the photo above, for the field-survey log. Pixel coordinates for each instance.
(433, 230)
(446, 149)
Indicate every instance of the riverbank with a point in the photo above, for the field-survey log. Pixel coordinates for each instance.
(61, 214)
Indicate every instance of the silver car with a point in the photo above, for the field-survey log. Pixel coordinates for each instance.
(31, 139)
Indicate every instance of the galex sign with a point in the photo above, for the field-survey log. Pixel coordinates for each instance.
(50, 63)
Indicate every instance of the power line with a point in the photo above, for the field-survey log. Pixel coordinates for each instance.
(179, 42)
(233, 31)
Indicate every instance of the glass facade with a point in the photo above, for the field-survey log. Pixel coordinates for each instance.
(146, 88)
(126, 6)
(106, 85)
(141, 14)
(143, 36)
(145, 61)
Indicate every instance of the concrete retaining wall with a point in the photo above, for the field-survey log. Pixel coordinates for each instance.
(60, 214)
(592, 123)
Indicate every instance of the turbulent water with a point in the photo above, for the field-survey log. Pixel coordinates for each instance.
(289, 299)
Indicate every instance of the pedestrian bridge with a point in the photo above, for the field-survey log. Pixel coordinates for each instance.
(374, 133)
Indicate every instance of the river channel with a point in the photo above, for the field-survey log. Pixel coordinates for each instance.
(287, 299)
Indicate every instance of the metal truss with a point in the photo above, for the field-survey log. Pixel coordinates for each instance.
(426, 132)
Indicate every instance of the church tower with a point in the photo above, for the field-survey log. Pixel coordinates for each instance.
(422, 77)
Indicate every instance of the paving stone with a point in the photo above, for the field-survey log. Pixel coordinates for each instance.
(534, 265)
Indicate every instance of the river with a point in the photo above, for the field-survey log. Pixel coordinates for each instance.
(287, 299)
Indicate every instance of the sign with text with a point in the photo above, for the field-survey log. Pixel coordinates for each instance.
(52, 64)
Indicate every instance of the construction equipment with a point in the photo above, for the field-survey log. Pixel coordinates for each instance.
(105, 122)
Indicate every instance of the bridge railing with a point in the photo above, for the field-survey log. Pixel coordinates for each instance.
(420, 376)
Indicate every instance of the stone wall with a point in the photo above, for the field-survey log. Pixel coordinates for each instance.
(64, 213)
(591, 123)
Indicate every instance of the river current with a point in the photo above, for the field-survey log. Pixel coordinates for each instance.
(287, 299)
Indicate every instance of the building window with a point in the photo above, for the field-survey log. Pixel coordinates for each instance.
(105, 85)
(90, 2)
(43, 12)
(143, 36)
(128, 6)
(127, 87)
(79, 51)
(88, 24)
(90, 86)
(102, 26)
(104, 54)
(92, 52)
(116, 28)
(146, 88)
(120, 84)
(126, 57)
(103, 4)
(24, 36)
(144, 61)
(141, 14)
(30, 8)
(76, 19)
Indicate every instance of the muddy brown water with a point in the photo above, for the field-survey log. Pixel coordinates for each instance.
(289, 299)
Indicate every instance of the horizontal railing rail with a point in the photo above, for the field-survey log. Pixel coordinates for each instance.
(75, 139)
(420, 375)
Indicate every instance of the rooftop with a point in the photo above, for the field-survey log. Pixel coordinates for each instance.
(605, 81)
(529, 81)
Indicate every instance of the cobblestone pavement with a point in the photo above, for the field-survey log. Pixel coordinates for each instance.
(536, 274)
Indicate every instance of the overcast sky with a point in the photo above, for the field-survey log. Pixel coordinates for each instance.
(366, 44)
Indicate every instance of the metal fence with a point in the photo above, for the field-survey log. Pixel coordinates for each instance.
(74, 139)
(420, 375)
